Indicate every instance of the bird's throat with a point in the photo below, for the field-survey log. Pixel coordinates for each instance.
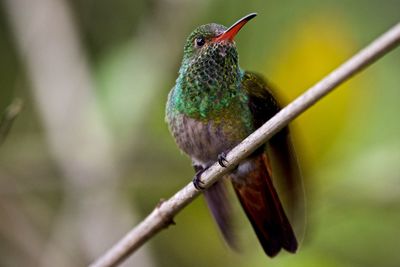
(209, 84)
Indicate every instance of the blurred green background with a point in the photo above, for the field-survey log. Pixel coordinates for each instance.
(90, 154)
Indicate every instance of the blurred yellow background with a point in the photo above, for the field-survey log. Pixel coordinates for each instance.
(90, 155)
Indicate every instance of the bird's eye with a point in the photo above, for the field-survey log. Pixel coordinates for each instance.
(200, 41)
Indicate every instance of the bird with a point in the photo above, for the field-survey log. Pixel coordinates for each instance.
(213, 106)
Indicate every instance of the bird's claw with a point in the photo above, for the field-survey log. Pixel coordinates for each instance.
(222, 159)
(197, 180)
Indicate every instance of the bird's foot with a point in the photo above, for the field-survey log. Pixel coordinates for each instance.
(222, 159)
(197, 177)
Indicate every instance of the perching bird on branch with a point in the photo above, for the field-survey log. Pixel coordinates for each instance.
(213, 106)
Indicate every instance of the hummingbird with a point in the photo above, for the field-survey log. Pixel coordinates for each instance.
(214, 105)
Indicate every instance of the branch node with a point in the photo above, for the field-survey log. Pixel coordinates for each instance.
(160, 202)
(166, 219)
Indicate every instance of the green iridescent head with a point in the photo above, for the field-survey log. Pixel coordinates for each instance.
(210, 75)
(212, 41)
(201, 42)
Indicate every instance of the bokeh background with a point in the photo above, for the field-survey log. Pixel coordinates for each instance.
(89, 155)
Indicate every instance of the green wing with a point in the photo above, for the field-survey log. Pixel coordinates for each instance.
(263, 105)
(285, 168)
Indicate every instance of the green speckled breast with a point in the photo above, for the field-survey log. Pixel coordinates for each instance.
(205, 139)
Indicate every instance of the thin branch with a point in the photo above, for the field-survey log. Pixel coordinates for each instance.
(8, 118)
(163, 214)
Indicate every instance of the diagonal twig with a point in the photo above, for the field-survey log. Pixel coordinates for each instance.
(163, 214)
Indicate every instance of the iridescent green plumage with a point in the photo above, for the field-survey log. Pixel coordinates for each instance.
(203, 73)
(215, 105)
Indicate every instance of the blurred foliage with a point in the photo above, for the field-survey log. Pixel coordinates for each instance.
(349, 143)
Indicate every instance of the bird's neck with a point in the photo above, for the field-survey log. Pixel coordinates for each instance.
(209, 87)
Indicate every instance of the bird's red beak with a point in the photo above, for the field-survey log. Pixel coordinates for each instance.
(230, 33)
